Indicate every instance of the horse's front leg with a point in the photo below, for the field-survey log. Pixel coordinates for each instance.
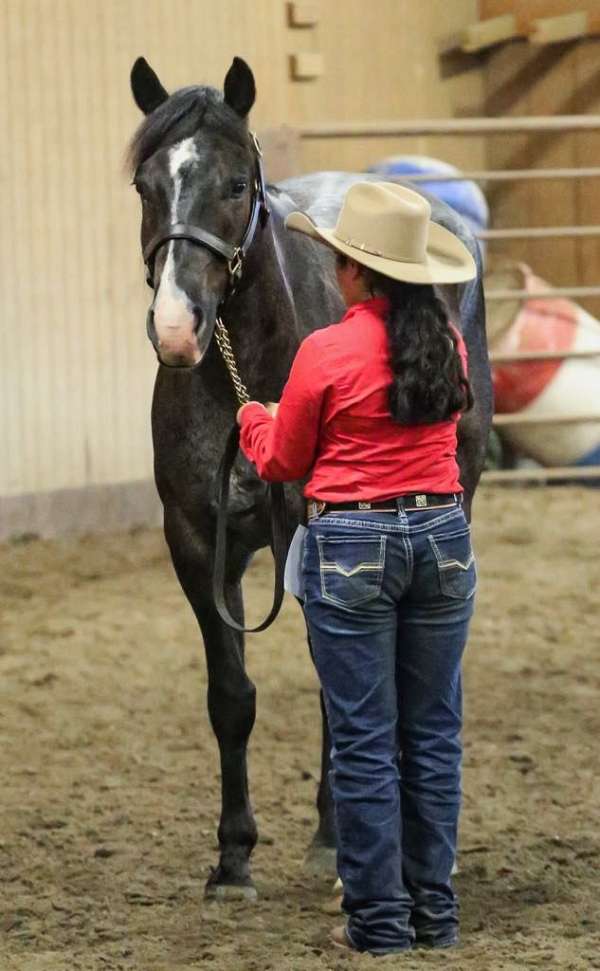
(231, 699)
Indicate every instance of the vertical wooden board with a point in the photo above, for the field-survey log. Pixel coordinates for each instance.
(553, 203)
(509, 202)
(281, 152)
(586, 147)
(10, 320)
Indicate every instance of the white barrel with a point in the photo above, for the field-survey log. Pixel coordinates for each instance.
(569, 387)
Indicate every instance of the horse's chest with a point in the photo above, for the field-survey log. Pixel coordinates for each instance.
(189, 438)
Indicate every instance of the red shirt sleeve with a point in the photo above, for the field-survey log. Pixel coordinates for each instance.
(283, 448)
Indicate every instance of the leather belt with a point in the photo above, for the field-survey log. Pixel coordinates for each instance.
(412, 502)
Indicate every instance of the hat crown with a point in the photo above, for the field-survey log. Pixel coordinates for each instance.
(386, 220)
(388, 228)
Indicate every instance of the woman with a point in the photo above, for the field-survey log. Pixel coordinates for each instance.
(370, 413)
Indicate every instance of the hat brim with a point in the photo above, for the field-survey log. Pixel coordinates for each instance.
(447, 259)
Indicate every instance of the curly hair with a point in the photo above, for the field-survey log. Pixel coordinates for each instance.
(429, 383)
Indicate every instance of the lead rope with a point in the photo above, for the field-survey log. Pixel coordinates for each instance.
(279, 530)
(222, 336)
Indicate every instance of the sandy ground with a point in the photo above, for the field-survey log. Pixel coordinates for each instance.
(110, 782)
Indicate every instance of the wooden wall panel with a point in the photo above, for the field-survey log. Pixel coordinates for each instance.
(509, 205)
(558, 79)
(77, 370)
(586, 151)
(382, 62)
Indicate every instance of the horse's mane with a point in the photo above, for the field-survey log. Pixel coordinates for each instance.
(179, 117)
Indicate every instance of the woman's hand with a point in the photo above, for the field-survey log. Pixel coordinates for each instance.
(238, 416)
(271, 407)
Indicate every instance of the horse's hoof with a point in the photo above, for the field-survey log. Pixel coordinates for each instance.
(222, 892)
(320, 861)
(217, 889)
(333, 906)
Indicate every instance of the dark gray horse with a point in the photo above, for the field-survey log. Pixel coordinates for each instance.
(194, 164)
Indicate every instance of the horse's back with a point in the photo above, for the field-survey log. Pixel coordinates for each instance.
(320, 195)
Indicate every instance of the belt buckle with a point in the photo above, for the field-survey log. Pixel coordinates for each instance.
(314, 508)
(421, 502)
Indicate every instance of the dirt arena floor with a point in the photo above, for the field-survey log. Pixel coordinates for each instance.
(109, 780)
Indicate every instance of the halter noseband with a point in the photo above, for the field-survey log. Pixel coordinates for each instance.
(234, 255)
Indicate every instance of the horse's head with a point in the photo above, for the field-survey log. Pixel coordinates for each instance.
(195, 169)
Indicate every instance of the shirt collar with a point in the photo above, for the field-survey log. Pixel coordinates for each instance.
(379, 306)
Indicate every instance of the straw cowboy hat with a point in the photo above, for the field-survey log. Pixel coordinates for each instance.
(388, 228)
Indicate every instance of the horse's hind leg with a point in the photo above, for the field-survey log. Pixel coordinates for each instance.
(473, 431)
(231, 704)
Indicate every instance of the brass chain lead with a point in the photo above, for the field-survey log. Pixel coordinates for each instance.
(226, 349)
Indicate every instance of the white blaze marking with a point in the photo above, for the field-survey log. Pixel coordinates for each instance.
(172, 308)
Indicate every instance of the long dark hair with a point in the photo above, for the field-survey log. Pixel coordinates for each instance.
(429, 382)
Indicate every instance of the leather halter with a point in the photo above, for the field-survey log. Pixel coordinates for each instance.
(234, 255)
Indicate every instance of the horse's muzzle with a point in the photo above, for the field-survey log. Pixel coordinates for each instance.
(177, 346)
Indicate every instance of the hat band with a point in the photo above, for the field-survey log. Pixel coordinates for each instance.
(376, 252)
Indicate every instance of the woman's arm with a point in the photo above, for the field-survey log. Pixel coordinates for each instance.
(283, 447)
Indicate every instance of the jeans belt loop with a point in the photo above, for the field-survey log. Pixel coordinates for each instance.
(315, 507)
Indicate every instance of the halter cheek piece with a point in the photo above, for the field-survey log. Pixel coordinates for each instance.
(234, 255)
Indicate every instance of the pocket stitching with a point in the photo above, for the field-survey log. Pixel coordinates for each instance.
(330, 566)
(361, 567)
(444, 564)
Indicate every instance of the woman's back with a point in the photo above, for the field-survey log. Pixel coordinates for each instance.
(362, 452)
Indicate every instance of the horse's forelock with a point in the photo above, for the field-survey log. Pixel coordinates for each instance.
(181, 116)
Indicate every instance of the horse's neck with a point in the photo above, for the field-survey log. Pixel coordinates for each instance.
(262, 319)
(286, 294)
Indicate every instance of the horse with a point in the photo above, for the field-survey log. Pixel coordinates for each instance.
(195, 165)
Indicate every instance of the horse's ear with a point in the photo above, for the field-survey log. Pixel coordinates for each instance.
(239, 88)
(147, 90)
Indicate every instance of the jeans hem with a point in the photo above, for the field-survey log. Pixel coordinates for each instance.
(373, 949)
(431, 944)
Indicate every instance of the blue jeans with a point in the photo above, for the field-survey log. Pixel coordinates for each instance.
(388, 601)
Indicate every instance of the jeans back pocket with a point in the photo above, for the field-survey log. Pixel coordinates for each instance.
(456, 563)
(351, 568)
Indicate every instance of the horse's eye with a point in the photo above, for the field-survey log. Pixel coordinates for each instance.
(238, 187)
(147, 202)
(142, 191)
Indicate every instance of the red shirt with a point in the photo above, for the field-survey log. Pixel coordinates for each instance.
(334, 421)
